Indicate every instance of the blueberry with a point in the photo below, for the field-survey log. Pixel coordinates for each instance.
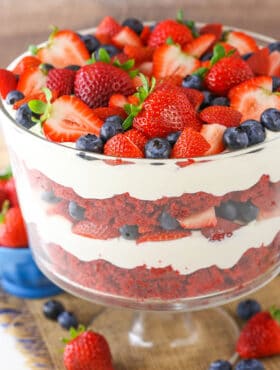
(67, 320)
(168, 222)
(247, 212)
(254, 130)
(251, 364)
(235, 138)
(157, 148)
(24, 116)
(173, 137)
(111, 127)
(129, 232)
(220, 365)
(270, 119)
(275, 83)
(76, 211)
(90, 142)
(221, 101)
(193, 82)
(208, 97)
(111, 50)
(247, 309)
(46, 67)
(246, 56)
(134, 24)
(274, 46)
(206, 56)
(227, 210)
(14, 96)
(49, 197)
(73, 67)
(91, 42)
(52, 309)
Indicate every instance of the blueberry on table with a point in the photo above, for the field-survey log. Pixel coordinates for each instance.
(91, 42)
(193, 82)
(157, 148)
(167, 222)
(275, 83)
(251, 364)
(49, 197)
(91, 143)
(270, 119)
(67, 320)
(247, 309)
(220, 365)
(221, 101)
(111, 127)
(173, 137)
(247, 211)
(235, 138)
(134, 24)
(111, 50)
(129, 232)
(76, 211)
(227, 210)
(14, 96)
(24, 116)
(52, 309)
(254, 130)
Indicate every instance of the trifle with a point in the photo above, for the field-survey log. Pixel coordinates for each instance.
(146, 160)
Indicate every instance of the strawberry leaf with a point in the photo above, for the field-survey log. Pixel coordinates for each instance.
(54, 30)
(170, 41)
(6, 174)
(127, 123)
(104, 55)
(74, 333)
(201, 72)
(4, 210)
(37, 106)
(180, 16)
(218, 53)
(133, 73)
(275, 313)
(33, 49)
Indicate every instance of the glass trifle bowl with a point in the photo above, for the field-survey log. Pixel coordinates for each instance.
(150, 235)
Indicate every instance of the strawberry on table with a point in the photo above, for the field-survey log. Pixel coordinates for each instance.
(8, 82)
(226, 116)
(190, 144)
(170, 28)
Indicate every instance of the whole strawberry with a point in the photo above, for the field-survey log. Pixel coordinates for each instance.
(95, 83)
(87, 350)
(61, 80)
(260, 337)
(179, 33)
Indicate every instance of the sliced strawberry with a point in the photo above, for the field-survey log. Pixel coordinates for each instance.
(64, 48)
(12, 229)
(105, 112)
(200, 45)
(126, 36)
(274, 64)
(69, 119)
(137, 81)
(139, 53)
(121, 146)
(226, 116)
(120, 57)
(195, 97)
(163, 235)
(146, 68)
(169, 28)
(107, 29)
(118, 100)
(229, 48)
(223, 229)
(91, 230)
(259, 62)
(37, 96)
(200, 220)
(190, 144)
(170, 60)
(213, 134)
(133, 99)
(27, 62)
(242, 42)
(136, 137)
(8, 82)
(145, 34)
(213, 28)
(252, 97)
(61, 80)
(31, 81)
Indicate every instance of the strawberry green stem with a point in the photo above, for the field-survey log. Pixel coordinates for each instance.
(4, 210)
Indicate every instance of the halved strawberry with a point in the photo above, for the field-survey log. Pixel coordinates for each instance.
(64, 48)
(8, 82)
(91, 230)
(213, 28)
(136, 137)
(146, 68)
(139, 53)
(226, 116)
(106, 29)
(31, 81)
(169, 28)
(274, 64)
(195, 97)
(242, 42)
(252, 97)
(105, 112)
(145, 34)
(190, 144)
(121, 146)
(69, 119)
(200, 45)
(170, 60)
(118, 100)
(213, 134)
(40, 95)
(27, 62)
(259, 62)
(126, 36)
(200, 220)
(163, 235)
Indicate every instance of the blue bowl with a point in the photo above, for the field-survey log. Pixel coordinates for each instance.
(20, 276)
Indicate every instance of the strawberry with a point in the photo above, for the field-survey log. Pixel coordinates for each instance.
(36, 96)
(87, 350)
(195, 97)
(64, 48)
(105, 112)
(69, 119)
(213, 134)
(213, 28)
(274, 64)
(146, 68)
(121, 146)
(200, 220)
(107, 29)
(61, 80)
(91, 230)
(10, 189)
(95, 83)
(190, 144)
(252, 97)
(145, 34)
(139, 53)
(8, 82)
(170, 60)
(166, 110)
(126, 36)
(136, 137)
(229, 48)
(200, 45)
(223, 229)
(242, 42)
(31, 81)
(27, 62)
(169, 28)
(118, 100)
(12, 227)
(227, 73)
(226, 116)
(260, 337)
(163, 235)
(259, 62)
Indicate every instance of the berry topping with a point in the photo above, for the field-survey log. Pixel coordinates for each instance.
(270, 119)
(111, 127)
(248, 308)
(220, 365)
(213, 134)
(27, 62)
(129, 232)
(91, 42)
(235, 138)
(46, 67)
(221, 101)
(169, 28)
(31, 81)
(14, 96)
(200, 45)
(24, 116)
(167, 222)
(91, 143)
(76, 211)
(107, 28)
(67, 320)
(254, 130)
(274, 46)
(190, 144)
(112, 50)
(61, 80)
(173, 137)
(8, 82)
(52, 309)
(242, 42)
(193, 82)
(121, 146)
(275, 84)
(251, 364)
(134, 24)
(220, 114)
(157, 148)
